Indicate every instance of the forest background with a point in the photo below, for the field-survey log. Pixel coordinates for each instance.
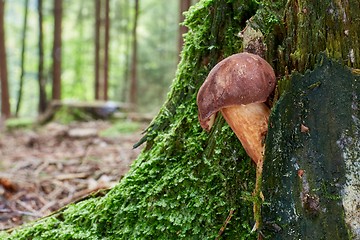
(156, 39)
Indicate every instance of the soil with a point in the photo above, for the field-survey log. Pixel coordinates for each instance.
(45, 169)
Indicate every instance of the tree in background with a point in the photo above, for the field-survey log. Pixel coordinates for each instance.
(184, 5)
(106, 50)
(97, 47)
(56, 54)
(23, 49)
(5, 101)
(134, 62)
(41, 78)
(126, 42)
(102, 39)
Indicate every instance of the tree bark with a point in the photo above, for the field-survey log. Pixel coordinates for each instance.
(188, 184)
(311, 168)
(56, 88)
(41, 79)
(23, 49)
(5, 98)
(311, 165)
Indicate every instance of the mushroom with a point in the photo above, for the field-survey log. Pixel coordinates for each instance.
(239, 86)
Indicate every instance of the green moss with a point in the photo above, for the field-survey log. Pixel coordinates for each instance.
(186, 181)
(268, 16)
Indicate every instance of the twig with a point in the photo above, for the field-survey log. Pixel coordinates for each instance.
(18, 212)
(69, 176)
(5, 210)
(41, 167)
(27, 213)
(47, 206)
(24, 205)
(222, 229)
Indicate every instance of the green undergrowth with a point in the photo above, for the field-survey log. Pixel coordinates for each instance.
(121, 127)
(19, 123)
(186, 181)
(66, 115)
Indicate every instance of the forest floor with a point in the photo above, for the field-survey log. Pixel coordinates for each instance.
(44, 169)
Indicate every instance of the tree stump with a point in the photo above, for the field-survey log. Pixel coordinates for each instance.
(311, 172)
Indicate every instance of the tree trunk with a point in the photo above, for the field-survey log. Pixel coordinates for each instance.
(189, 184)
(97, 48)
(56, 89)
(41, 79)
(5, 101)
(102, 38)
(80, 52)
(125, 96)
(106, 50)
(311, 170)
(133, 80)
(23, 48)
(184, 5)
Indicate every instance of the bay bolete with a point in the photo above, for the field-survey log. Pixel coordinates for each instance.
(238, 86)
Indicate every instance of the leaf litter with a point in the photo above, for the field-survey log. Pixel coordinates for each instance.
(45, 169)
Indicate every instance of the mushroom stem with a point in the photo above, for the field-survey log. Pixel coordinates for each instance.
(250, 124)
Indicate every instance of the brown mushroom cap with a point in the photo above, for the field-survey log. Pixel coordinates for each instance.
(242, 78)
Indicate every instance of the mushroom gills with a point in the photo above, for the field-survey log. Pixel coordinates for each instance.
(250, 124)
